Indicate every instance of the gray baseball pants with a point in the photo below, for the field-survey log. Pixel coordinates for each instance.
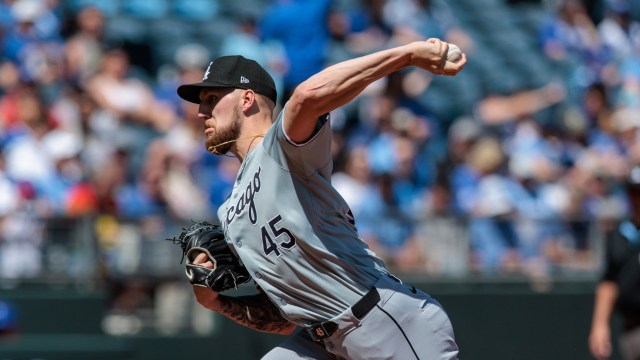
(405, 324)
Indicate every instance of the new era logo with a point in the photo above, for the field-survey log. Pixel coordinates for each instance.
(244, 80)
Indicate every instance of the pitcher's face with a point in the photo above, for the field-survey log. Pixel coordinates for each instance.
(222, 118)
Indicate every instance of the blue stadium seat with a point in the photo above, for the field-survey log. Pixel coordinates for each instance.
(196, 10)
(144, 9)
(108, 8)
(170, 29)
(242, 8)
(635, 9)
(528, 16)
(121, 28)
(216, 30)
(164, 52)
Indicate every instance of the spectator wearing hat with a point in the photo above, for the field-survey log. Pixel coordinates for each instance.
(484, 193)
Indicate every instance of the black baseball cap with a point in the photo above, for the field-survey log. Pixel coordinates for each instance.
(233, 71)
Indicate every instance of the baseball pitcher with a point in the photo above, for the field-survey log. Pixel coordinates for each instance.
(287, 229)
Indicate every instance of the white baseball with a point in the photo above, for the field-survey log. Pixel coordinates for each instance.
(454, 53)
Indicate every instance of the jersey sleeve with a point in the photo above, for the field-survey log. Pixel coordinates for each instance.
(308, 158)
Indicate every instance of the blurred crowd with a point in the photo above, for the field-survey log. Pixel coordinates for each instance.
(519, 182)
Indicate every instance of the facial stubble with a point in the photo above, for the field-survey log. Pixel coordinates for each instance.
(222, 139)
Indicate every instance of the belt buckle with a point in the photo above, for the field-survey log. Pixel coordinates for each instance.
(318, 332)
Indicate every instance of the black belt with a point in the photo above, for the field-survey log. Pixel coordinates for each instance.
(325, 329)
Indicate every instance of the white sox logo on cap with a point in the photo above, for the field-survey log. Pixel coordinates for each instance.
(206, 73)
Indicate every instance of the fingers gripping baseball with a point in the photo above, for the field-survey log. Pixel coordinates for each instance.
(438, 57)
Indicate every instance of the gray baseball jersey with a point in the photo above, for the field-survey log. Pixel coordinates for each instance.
(293, 231)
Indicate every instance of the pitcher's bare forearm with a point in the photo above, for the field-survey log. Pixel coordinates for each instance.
(605, 298)
(342, 82)
(254, 311)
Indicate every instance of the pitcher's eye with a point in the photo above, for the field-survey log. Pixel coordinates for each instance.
(209, 99)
